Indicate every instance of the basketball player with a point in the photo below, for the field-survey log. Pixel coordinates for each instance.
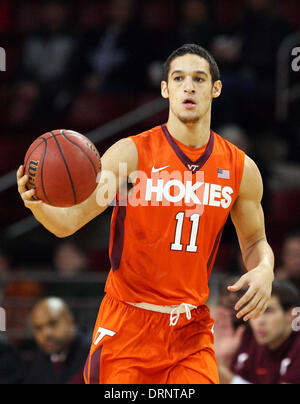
(153, 325)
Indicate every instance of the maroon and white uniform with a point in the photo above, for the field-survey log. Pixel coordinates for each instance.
(259, 365)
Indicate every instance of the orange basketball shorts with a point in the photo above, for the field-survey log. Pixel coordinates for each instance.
(136, 346)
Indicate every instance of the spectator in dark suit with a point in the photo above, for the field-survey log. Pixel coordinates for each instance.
(12, 366)
(62, 349)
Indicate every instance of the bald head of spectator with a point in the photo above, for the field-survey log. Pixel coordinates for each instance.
(53, 325)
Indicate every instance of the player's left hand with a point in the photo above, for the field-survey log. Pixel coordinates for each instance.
(255, 301)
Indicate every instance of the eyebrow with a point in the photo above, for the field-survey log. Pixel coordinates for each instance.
(196, 72)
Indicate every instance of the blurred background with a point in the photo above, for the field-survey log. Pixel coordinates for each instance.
(95, 67)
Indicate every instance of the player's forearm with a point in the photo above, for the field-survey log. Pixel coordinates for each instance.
(64, 222)
(59, 221)
(258, 254)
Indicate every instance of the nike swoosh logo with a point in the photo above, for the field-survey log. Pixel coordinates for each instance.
(157, 170)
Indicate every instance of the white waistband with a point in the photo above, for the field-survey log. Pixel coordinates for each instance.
(174, 311)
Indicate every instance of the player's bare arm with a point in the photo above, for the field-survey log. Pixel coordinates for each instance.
(248, 218)
(64, 222)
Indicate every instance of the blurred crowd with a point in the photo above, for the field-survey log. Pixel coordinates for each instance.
(60, 54)
(81, 64)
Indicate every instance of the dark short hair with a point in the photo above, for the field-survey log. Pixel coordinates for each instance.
(192, 49)
(288, 295)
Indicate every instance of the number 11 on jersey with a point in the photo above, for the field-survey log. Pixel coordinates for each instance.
(191, 247)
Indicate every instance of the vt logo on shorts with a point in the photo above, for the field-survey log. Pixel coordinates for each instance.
(101, 333)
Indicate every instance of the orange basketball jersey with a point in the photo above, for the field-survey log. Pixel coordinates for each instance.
(165, 234)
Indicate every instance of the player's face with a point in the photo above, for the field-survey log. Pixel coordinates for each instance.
(52, 331)
(273, 326)
(190, 89)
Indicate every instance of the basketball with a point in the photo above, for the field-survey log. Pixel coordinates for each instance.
(62, 166)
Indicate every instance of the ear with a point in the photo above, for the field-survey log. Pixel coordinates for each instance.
(217, 89)
(164, 90)
(290, 316)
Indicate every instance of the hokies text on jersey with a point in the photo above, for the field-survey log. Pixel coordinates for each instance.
(197, 193)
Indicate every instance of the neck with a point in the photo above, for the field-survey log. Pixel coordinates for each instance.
(193, 135)
(279, 341)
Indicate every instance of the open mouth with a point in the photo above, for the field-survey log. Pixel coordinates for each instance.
(189, 103)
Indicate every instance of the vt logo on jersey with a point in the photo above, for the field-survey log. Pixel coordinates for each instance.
(193, 167)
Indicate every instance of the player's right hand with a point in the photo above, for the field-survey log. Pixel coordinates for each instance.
(27, 196)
